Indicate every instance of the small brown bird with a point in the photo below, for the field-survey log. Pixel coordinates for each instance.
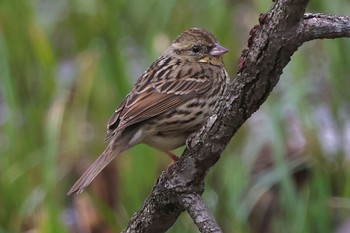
(170, 101)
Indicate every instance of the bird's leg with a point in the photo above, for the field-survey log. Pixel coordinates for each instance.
(172, 156)
(189, 138)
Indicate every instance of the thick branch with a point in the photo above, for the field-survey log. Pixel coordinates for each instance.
(281, 31)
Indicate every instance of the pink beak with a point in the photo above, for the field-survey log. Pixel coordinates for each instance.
(218, 50)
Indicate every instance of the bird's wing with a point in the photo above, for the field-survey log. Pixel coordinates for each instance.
(158, 91)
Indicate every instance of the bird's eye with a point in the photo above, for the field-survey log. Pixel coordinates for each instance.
(196, 49)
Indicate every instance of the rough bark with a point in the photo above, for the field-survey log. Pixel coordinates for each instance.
(271, 44)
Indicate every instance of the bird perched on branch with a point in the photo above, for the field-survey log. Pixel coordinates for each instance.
(170, 101)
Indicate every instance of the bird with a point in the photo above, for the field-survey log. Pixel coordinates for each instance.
(168, 103)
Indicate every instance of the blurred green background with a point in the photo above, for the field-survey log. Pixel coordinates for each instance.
(66, 65)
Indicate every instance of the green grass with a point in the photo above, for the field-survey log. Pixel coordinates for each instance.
(66, 65)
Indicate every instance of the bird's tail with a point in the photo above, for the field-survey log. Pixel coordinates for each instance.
(98, 165)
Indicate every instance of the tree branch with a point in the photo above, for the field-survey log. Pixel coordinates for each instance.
(322, 26)
(271, 44)
(198, 211)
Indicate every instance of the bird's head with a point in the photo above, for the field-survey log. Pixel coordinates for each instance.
(197, 45)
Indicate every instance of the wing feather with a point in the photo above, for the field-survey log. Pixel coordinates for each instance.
(153, 95)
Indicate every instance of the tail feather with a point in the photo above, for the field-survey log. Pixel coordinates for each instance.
(98, 165)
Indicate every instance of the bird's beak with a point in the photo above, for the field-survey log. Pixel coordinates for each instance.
(218, 50)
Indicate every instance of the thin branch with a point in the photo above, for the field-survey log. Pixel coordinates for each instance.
(198, 211)
(322, 26)
(271, 44)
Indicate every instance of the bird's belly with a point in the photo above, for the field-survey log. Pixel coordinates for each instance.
(170, 130)
(165, 142)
